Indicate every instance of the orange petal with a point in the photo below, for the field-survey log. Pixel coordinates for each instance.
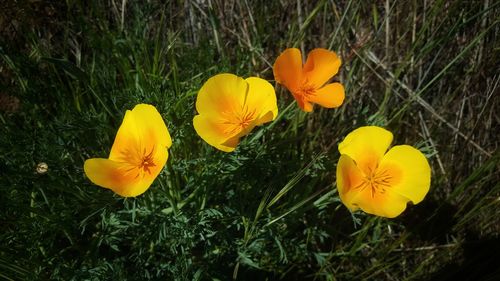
(287, 69)
(329, 96)
(321, 65)
(366, 146)
(305, 105)
(122, 178)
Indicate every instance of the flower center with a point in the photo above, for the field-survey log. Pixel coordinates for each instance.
(238, 121)
(147, 162)
(377, 180)
(307, 90)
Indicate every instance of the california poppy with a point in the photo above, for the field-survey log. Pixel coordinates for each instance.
(307, 82)
(379, 182)
(137, 156)
(229, 107)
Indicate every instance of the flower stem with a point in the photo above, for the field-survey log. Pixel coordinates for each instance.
(170, 198)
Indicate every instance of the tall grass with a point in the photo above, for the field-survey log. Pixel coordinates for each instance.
(427, 70)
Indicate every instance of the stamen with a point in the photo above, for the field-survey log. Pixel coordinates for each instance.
(306, 91)
(377, 180)
(147, 161)
(238, 121)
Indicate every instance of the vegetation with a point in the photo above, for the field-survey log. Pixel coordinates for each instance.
(426, 70)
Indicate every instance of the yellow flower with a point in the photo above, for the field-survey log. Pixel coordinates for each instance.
(229, 107)
(137, 155)
(307, 83)
(377, 182)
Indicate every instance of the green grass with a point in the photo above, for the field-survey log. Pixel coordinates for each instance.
(426, 70)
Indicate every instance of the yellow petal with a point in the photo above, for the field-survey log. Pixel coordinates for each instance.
(151, 124)
(221, 94)
(149, 173)
(388, 204)
(138, 155)
(366, 146)
(142, 129)
(287, 69)
(231, 144)
(215, 132)
(145, 175)
(414, 172)
(329, 96)
(120, 177)
(127, 139)
(261, 99)
(349, 180)
(355, 193)
(321, 65)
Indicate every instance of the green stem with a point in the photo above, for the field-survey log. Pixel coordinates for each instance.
(170, 198)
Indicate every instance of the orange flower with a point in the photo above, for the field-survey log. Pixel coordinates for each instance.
(307, 83)
(137, 155)
(379, 182)
(229, 107)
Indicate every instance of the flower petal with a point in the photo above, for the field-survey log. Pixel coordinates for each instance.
(142, 129)
(349, 179)
(287, 69)
(221, 94)
(215, 133)
(127, 140)
(159, 159)
(321, 65)
(151, 125)
(414, 172)
(231, 143)
(120, 177)
(356, 194)
(261, 98)
(329, 96)
(388, 204)
(304, 105)
(366, 146)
